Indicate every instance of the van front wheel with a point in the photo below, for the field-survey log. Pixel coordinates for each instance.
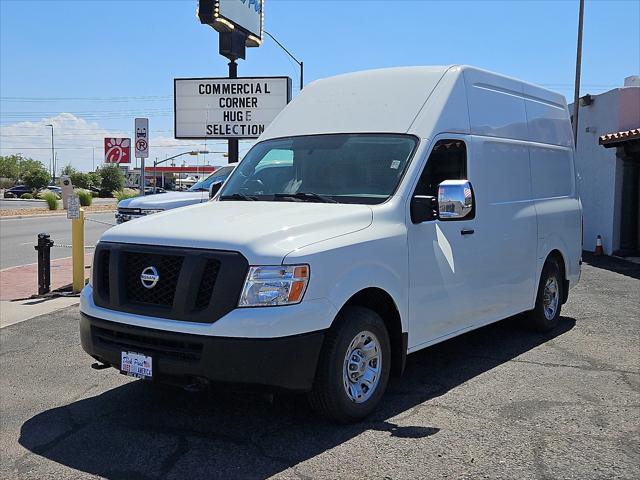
(354, 366)
(546, 314)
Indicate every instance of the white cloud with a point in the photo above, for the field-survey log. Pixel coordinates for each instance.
(81, 143)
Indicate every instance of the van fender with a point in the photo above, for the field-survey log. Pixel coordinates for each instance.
(359, 277)
(546, 246)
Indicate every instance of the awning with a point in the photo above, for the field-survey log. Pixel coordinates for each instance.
(618, 138)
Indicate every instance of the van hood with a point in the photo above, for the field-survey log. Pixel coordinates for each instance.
(164, 201)
(264, 232)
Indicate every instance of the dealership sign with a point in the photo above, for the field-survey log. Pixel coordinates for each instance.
(117, 150)
(246, 16)
(227, 107)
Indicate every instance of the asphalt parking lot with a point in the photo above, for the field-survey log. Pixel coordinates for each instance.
(500, 402)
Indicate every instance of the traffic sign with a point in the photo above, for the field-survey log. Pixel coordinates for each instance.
(142, 137)
(73, 207)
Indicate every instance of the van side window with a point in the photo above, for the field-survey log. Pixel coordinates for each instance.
(447, 161)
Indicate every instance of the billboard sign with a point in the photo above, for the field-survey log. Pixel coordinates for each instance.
(117, 150)
(142, 137)
(245, 14)
(227, 107)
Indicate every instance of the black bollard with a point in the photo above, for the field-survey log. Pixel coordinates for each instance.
(44, 263)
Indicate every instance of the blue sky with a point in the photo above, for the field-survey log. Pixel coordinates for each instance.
(91, 66)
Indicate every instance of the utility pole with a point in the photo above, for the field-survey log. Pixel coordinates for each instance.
(576, 94)
(53, 156)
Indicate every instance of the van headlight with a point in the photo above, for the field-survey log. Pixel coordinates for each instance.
(274, 285)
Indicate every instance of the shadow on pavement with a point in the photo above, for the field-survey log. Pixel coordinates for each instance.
(613, 264)
(141, 430)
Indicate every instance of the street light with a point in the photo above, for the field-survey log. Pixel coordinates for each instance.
(53, 157)
(301, 64)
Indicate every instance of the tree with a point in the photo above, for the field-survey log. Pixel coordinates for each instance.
(36, 178)
(68, 170)
(10, 166)
(28, 164)
(112, 179)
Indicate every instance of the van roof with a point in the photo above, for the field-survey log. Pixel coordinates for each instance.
(417, 100)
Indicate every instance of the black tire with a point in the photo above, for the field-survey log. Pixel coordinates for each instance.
(537, 319)
(329, 397)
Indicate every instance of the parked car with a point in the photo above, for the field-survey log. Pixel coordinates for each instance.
(419, 204)
(137, 207)
(55, 189)
(16, 191)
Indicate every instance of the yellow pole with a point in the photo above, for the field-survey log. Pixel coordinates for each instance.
(77, 251)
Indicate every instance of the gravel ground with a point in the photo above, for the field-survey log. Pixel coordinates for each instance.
(15, 212)
(499, 402)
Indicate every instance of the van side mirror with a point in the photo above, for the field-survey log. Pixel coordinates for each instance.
(455, 200)
(214, 188)
(423, 208)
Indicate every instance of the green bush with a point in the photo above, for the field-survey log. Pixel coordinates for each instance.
(112, 179)
(85, 197)
(51, 199)
(26, 196)
(126, 193)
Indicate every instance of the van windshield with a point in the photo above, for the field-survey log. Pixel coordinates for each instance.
(342, 168)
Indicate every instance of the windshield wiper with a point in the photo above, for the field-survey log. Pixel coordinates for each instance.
(306, 196)
(238, 196)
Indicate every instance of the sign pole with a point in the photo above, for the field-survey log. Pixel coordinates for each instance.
(142, 146)
(233, 142)
(142, 176)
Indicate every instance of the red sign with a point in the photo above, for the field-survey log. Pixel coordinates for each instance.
(117, 150)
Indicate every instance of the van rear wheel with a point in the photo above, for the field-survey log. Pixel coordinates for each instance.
(546, 314)
(354, 366)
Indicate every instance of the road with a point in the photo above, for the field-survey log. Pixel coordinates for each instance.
(19, 235)
(499, 403)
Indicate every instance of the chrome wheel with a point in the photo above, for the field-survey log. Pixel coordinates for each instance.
(362, 367)
(550, 298)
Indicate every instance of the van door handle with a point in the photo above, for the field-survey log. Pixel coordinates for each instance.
(467, 231)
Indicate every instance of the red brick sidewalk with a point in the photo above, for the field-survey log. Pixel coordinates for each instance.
(22, 281)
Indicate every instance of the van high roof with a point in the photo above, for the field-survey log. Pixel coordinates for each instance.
(424, 101)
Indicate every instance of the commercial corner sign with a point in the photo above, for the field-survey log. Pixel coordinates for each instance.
(142, 137)
(227, 107)
(117, 150)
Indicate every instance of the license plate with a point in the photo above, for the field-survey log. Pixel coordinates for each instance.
(136, 365)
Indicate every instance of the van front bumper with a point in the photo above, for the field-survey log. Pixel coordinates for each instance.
(283, 363)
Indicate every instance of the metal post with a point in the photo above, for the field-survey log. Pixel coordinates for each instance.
(301, 75)
(44, 263)
(142, 176)
(77, 251)
(233, 142)
(155, 176)
(576, 94)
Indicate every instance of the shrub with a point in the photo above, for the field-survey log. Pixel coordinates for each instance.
(51, 199)
(112, 179)
(126, 193)
(85, 197)
(26, 196)
(7, 182)
(36, 178)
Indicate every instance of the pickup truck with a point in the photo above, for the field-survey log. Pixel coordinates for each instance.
(141, 206)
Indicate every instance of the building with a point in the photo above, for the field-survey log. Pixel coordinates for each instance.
(608, 168)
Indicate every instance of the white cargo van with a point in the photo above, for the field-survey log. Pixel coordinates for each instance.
(410, 205)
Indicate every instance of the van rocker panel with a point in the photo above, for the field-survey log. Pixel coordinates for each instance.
(283, 363)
